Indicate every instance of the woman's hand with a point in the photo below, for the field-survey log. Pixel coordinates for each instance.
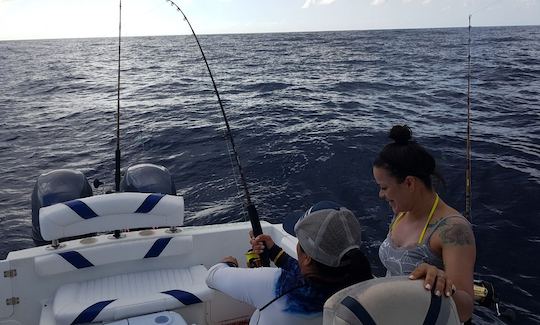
(435, 279)
(258, 243)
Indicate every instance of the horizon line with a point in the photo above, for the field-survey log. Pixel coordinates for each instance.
(269, 32)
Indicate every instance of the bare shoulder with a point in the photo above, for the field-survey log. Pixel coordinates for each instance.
(456, 231)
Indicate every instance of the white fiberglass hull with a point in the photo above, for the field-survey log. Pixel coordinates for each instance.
(37, 279)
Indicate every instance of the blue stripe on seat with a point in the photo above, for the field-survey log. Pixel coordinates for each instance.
(158, 247)
(358, 310)
(90, 313)
(80, 208)
(149, 203)
(76, 259)
(187, 298)
(433, 311)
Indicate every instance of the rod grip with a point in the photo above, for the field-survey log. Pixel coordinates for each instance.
(257, 230)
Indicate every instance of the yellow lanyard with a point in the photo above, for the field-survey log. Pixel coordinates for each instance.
(427, 222)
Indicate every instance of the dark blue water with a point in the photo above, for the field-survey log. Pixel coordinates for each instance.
(309, 112)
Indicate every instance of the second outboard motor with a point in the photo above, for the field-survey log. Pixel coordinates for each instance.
(148, 178)
(57, 186)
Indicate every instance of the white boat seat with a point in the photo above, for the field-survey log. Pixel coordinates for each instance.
(108, 212)
(388, 301)
(131, 294)
(115, 252)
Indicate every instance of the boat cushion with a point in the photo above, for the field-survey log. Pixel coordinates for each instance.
(108, 212)
(117, 251)
(389, 300)
(131, 294)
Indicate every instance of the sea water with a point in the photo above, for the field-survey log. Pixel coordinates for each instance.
(308, 112)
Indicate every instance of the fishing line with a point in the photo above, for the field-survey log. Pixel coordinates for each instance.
(235, 176)
(250, 207)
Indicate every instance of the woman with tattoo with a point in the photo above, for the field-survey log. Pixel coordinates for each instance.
(427, 238)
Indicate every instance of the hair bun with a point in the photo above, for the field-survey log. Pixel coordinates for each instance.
(401, 134)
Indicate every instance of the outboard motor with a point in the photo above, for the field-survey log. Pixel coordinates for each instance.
(55, 187)
(148, 178)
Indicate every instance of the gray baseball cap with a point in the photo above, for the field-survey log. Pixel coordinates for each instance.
(328, 234)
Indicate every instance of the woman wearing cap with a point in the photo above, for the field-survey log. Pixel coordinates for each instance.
(427, 238)
(329, 259)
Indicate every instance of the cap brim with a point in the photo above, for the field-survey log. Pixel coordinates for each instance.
(290, 221)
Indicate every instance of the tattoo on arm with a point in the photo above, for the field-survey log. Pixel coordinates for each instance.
(456, 234)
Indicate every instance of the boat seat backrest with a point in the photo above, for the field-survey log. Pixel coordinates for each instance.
(131, 294)
(389, 300)
(117, 251)
(109, 212)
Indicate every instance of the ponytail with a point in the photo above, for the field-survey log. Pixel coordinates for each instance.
(405, 157)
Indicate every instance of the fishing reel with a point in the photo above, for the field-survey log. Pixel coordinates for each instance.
(253, 260)
(484, 295)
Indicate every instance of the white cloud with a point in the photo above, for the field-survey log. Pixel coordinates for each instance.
(310, 3)
(377, 2)
(424, 2)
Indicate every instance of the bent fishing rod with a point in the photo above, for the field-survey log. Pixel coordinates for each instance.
(250, 207)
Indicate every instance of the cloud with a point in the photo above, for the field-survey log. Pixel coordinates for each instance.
(310, 3)
(377, 2)
(424, 2)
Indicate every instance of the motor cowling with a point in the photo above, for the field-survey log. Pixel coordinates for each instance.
(148, 178)
(57, 186)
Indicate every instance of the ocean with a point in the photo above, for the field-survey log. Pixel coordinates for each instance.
(308, 111)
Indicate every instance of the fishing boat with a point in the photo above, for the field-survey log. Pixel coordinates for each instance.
(152, 274)
(109, 277)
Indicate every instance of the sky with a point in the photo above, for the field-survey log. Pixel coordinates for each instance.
(45, 19)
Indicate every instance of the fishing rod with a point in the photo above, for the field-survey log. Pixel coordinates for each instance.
(468, 171)
(250, 207)
(117, 152)
(484, 291)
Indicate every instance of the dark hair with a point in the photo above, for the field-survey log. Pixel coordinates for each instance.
(404, 157)
(357, 269)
